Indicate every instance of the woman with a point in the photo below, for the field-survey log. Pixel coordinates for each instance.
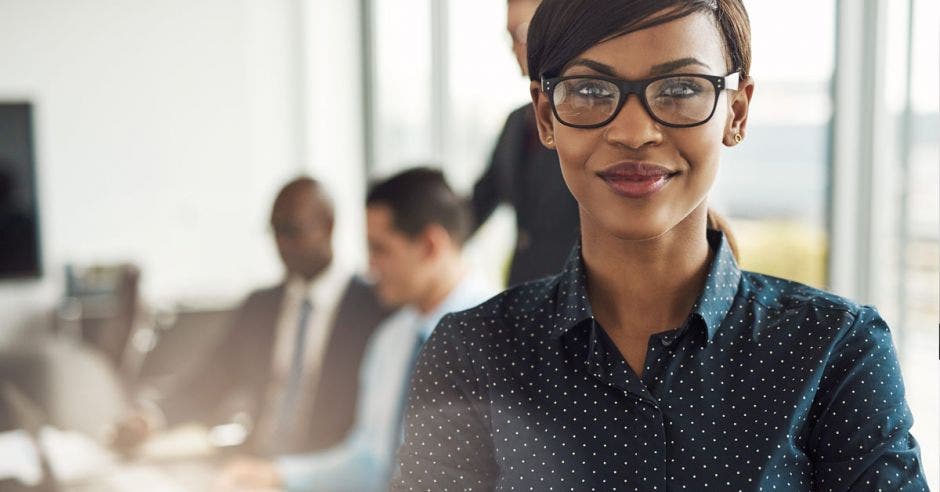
(651, 362)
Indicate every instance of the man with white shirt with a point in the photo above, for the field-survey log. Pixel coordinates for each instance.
(289, 363)
(416, 228)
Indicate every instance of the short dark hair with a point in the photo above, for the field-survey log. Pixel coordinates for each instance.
(419, 197)
(563, 29)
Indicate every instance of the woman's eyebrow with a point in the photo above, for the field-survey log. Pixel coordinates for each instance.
(674, 65)
(660, 69)
(594, 65)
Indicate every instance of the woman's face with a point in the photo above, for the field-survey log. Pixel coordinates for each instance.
(635, 178)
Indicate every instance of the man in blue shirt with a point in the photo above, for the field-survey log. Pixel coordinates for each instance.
(416, 227)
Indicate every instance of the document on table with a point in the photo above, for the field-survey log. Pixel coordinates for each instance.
(19, 458)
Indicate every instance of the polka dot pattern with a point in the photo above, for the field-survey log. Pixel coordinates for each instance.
(769, 385)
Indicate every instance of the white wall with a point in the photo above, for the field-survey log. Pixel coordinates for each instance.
(163, 131)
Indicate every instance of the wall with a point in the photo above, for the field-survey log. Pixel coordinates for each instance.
(163, 132)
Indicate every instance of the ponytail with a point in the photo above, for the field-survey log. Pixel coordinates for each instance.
(719, 223)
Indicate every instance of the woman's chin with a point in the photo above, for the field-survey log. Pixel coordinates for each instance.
(630, 230)
(636, 232)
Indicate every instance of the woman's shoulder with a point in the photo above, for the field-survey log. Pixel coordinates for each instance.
(776, 292)
(798, 301)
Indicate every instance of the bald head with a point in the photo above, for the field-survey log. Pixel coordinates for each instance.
(305, 192)
(302, 220)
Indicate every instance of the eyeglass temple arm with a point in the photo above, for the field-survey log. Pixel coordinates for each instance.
(732, 80)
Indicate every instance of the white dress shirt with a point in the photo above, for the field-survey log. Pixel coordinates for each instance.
(324, 294)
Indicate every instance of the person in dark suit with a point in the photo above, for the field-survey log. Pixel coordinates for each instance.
(527, 176)
(288, 365)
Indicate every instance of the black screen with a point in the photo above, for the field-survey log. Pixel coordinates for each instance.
(19, 227)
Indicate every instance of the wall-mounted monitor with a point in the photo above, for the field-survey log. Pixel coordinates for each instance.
(19, 205)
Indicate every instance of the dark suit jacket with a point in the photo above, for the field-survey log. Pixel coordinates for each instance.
(237, 374)
(526, 175)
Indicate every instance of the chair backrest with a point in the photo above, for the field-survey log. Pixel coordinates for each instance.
(183, 340)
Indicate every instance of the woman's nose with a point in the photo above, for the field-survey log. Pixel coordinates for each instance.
(633, 126)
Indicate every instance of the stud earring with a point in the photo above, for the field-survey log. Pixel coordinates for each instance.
(738, 138)
(550, 140)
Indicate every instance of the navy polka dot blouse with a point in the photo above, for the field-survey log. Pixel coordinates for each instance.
(769, 385)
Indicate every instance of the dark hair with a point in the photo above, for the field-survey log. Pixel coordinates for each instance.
(560, 30)
(420, 197)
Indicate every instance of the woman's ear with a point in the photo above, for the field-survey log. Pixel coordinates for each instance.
(738, 106)
(544, 119)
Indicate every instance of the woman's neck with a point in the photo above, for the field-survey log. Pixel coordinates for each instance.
(640, 287)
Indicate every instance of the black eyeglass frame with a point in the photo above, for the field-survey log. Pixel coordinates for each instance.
(638, 87)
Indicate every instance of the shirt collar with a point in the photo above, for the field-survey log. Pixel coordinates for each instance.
(571, 303)
(721, 286)
(319, 289)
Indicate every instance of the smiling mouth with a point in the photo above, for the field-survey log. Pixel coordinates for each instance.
(636, 180)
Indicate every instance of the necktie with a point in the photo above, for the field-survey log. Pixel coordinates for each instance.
(287, 411)
(420, 338)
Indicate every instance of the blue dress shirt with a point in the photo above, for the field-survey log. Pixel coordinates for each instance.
(768, 385)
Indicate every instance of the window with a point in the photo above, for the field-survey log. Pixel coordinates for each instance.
(403, 133)
(913, 109)
(773, 186)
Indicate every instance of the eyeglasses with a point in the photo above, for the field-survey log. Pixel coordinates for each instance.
(677, 100)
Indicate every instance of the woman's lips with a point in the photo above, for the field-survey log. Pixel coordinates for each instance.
(635, 179)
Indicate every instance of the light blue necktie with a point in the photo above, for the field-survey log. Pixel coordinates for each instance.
(287, 412)
(419, 340)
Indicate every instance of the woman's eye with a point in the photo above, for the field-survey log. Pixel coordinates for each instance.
(592, 90)
(680, 89)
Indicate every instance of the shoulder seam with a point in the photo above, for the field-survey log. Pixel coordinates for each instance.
(815, 301)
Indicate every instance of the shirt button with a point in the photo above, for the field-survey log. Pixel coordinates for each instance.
(666, 341)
